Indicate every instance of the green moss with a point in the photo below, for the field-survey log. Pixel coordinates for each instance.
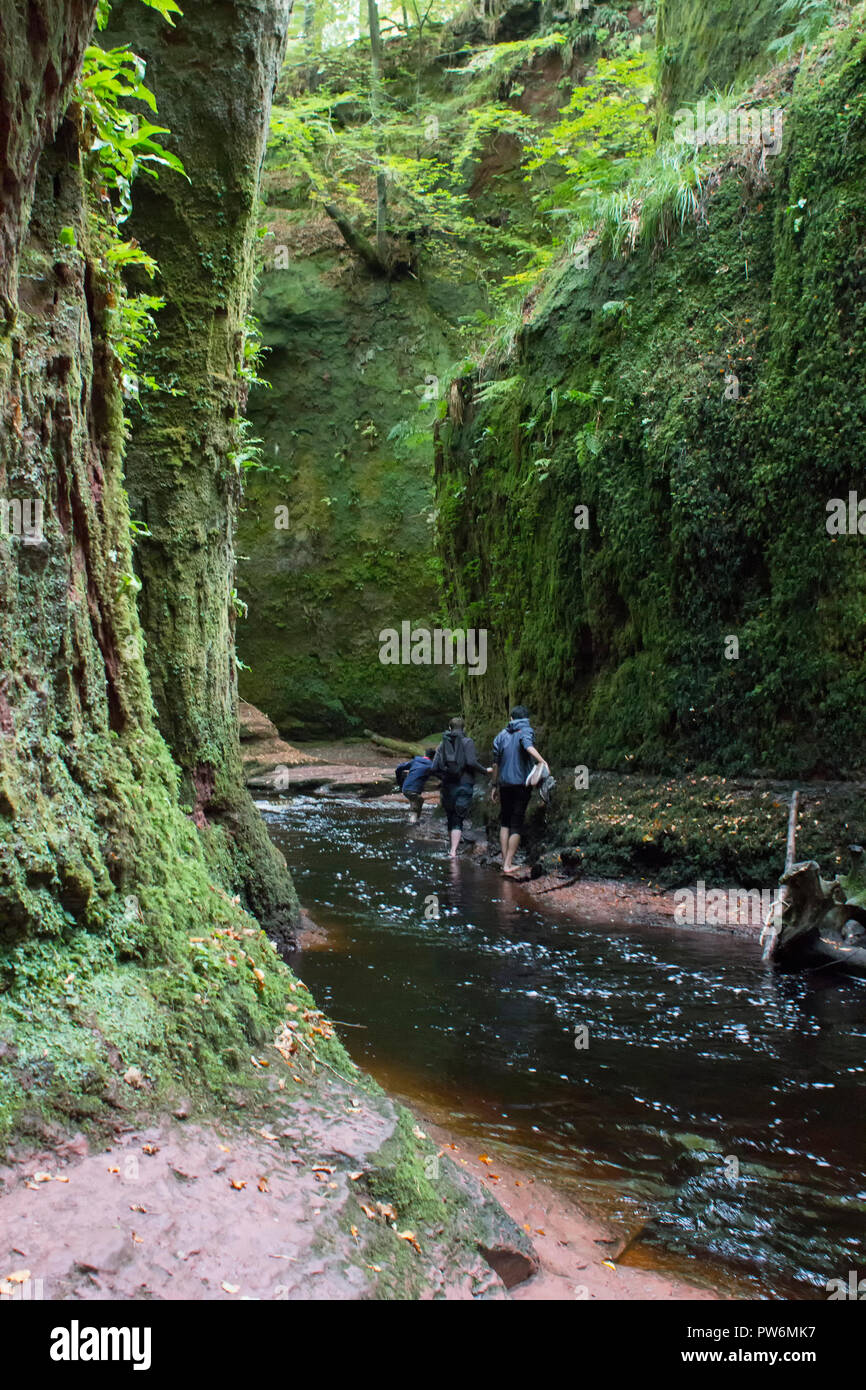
(707, 512)
(712, 45)
(400, 1177)
(676, 830)
(349, 452)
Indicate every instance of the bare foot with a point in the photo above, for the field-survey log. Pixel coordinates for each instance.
(510, 871)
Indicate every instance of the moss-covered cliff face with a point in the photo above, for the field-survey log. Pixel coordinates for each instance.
(337, 533)
(103, 877)
(711, 45)
(183, 460)
(705, 403)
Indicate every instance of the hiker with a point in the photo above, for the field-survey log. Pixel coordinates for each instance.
(411, 778)
(514, 759)
(456, 762)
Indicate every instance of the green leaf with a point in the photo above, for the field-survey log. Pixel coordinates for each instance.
(164, 7)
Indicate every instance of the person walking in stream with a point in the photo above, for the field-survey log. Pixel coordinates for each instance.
(412, 779)
(514, 759)
(456, 763)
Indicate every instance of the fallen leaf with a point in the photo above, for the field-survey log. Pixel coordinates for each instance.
(138, 1240)
(45, 1177)
(18, 1276)
(411, 1238)
(385, 1209)
(353, 1177)
(238, 1183)
(58, 1178)
(138, 1207)
(114, 1170)
(483, 1158)
(263, 1185)
(354, 1231)
(231, 1288)
(150, 1148)
(608, 1265)
(369, 1211)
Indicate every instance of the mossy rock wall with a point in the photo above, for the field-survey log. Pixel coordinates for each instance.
(354, 367)
(356, 363)
(705, 402)
(104, 876)
(706, 45)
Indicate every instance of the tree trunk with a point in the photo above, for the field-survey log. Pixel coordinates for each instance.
(310, 43)
(213, 74)
(355, 240)
(89, 819)
(41, 48)
(382, 247)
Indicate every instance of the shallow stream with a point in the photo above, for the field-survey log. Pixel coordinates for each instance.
(715, 1114)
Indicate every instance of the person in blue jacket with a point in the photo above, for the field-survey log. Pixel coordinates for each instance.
(412, 777)
(514, 754)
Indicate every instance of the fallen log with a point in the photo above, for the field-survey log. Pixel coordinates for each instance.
(394, 745)
(817, 921)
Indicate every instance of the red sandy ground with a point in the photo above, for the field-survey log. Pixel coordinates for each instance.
(578, 1256)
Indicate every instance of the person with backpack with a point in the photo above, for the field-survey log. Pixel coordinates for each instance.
(514, 760)
(411, 779)
(456, 763)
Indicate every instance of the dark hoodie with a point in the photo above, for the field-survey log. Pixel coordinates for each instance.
(472, 765)
(509, 752)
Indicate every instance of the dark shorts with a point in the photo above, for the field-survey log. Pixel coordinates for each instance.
(513, 802)
(456, 801)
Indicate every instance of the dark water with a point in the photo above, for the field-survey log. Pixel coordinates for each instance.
(698, 1058)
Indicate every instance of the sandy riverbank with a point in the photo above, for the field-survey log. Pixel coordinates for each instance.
(577, 1254)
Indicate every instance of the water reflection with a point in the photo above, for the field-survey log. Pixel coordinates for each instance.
(716, 1107)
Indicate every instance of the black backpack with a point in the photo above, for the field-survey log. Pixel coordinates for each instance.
(452, 752)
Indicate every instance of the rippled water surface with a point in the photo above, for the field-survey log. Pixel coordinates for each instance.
(717, 1112)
